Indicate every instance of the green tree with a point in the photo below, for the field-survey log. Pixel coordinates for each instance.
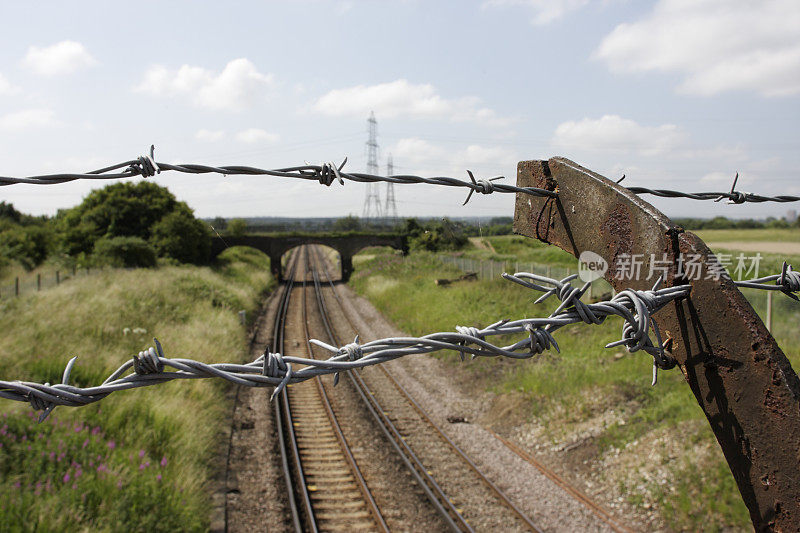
(219, 223)
(182, 237)
(237, 227)
(121, 210)
(30, 245)
(348, 223)
(7, 211)
(143, 210)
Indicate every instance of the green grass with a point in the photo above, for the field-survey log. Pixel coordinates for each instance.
(749, 235)
(139, 460)
(585, 381)
(522, 249)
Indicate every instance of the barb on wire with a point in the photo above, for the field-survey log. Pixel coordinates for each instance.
(788, 282)
(733, 197)
(325, 174)
(151, 367)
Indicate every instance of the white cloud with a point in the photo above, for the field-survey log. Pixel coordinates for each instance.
(239, 86)
(401, 98)
(209, 135)
(255, 135)
(6, 88)
(614, 133)
(429, 158)
(544, 11)
(65, 57)
(717, 45)
(722, 179)
(28, 119)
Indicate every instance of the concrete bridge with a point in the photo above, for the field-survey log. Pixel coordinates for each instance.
(347, 244)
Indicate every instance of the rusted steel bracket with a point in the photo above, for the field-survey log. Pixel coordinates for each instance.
(738, 374)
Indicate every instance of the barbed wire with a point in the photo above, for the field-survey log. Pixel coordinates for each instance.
(326, 173)
(149, 367)
(733, 197)
(788, 282)
(635, 307)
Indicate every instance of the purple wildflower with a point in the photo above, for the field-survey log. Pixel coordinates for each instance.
(66, 477)
(163, 461)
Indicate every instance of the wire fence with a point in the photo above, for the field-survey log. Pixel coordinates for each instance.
(40, 280)
(488, 269)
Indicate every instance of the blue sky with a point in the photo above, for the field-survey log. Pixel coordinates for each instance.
(672, 93)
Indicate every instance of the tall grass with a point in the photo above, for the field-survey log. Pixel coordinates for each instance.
(138, 460)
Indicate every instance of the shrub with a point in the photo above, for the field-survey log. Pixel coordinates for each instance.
(125, 252)
(29, 245)
(182, 237)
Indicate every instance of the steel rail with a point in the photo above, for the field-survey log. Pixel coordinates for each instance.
(432, 489)
(418, 408)
(504, 499)
(283, 420)
(371, 505)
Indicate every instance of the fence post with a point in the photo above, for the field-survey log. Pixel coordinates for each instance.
(736, 371)
(38, 281)
(769, 311)
(16, 286)
(58, 277)
(73, 271)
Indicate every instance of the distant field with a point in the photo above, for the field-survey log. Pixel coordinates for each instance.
(749, 235)
(518, 248)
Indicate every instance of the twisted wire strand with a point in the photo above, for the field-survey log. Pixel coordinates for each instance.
(326, 173)
(788, 282)
(152, 367)
(732, 197)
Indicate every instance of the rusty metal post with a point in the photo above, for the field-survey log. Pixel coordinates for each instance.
(740, 377)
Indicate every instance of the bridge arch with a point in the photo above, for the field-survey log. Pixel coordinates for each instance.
(347, 245)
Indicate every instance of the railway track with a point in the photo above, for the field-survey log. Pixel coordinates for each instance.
(326, 490)
(454, 484)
